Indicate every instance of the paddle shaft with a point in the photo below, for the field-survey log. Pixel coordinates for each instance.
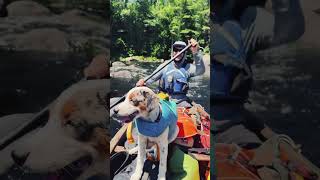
(154, 73)
(26, 127)
(116, 138)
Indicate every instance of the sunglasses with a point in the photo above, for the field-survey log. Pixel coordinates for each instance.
(177, 49)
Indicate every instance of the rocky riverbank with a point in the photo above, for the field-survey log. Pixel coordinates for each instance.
(133, 69)
(44, 47)
(32, 26)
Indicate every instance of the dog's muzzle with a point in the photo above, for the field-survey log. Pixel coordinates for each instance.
(125, 119)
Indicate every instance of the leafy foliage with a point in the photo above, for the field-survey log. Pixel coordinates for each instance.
(149, 27)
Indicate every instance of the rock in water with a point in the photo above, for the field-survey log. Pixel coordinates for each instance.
(27, 8)
(44, 39)
(99, 67)
(118, 64)
(125, 74)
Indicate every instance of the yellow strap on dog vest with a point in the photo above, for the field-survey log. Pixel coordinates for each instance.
(129, 133)
(163, 96)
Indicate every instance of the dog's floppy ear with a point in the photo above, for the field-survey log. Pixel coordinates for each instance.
(101, 141)
(68, 108)
(147, 96)
(145, 93)
(151, 99)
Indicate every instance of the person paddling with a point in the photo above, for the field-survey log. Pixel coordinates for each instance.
(173, 79)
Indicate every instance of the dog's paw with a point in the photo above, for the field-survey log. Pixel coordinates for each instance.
(136, 176)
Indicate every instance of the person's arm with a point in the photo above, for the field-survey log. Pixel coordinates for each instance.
(154, 78)
(264, 29)
(198, 68)
(157, 76)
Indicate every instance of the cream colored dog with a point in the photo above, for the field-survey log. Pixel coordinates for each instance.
(155, 121)
(73, 144)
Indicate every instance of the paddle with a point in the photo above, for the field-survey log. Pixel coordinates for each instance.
(154, 73)
(116, 138)
(26, 127)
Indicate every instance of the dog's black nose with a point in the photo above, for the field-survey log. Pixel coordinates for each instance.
(19, 159)
(115, 110)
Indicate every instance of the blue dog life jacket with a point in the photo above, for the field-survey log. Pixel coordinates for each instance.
(168, 119)
(174, 80)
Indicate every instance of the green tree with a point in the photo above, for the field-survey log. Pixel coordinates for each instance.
(149, 28)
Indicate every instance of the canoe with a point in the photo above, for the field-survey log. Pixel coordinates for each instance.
(193, 123)
(278, 158)
(232, 161)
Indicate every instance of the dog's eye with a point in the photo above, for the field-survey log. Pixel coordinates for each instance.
(84, 133)
(83, 130)
(70, 123)
(135, 102)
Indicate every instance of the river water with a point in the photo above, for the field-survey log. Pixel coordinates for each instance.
(287, 95)
(31, 80)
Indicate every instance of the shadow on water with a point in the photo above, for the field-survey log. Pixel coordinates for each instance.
(31, 80)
